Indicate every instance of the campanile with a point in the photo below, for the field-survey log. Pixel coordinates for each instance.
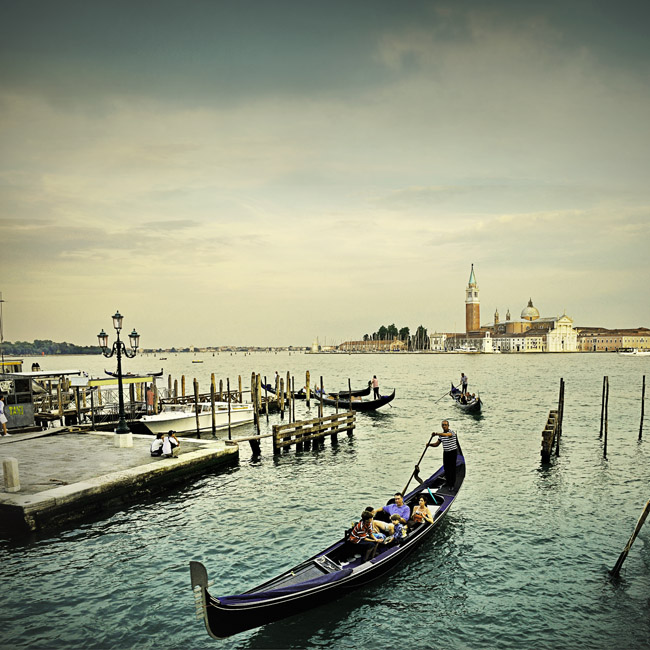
(472, 305)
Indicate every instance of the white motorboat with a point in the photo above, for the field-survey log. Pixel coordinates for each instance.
(181, 418)
(634, 352)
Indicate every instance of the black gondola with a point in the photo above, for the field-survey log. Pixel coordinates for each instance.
(298, 394)
(473, 404)
(357, 404)
(128, 374)
(325, 576)
(342, 394)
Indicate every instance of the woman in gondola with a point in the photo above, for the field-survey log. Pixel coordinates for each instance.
(422, 513)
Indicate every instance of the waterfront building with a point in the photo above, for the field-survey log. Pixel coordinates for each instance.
(388, 345)
(600, 339)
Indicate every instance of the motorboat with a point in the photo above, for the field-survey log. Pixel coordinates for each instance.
(182, 418)
(634, 352)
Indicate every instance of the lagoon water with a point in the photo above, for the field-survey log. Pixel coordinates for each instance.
(521, 560)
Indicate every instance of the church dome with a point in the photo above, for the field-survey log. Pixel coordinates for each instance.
(530, 312)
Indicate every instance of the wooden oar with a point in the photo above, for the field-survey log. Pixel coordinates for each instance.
(417, 467)
(445, 395)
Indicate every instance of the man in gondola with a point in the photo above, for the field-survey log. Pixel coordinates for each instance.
(450, 453)
(463, 383)
(375, 387)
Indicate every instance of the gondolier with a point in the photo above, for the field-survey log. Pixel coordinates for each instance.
(463, 382)
(450, 452)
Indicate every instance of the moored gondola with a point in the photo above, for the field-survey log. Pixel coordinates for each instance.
(358, 404)
(297, 394)
(473, 404)
(325, 576)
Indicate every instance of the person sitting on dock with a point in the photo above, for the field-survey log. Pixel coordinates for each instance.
(396, 508)
(170, 443)
(363, 536)
(157, 445)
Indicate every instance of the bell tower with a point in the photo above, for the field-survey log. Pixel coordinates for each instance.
(472, 305)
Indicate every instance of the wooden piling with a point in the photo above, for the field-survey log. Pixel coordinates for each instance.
(221, 390)
(214, 414)
(307, 388)
(183, 385)
(320, 406)
(642, 408)
(628, 546)
(92, 407)
(175, 388)
(560, 415)
(241, 395)
(266, 400)
(196, 408)
(228, 389)
(606, 416)
(602, 408)
(281, 393)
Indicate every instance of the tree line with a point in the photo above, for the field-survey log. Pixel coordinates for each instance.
(417, 341)
(37, 348)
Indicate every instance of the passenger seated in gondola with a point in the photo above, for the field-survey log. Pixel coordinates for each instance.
(363, 536)
(463, 399)
(422, 513)
(398, 507)
(399, 530)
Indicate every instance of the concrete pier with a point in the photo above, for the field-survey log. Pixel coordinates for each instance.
(67, 476)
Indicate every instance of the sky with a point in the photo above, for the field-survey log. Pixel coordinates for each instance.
(266, 172)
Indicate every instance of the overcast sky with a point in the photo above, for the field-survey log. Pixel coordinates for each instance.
(265, 172)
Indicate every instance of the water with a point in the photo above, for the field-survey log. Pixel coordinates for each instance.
(520, 562)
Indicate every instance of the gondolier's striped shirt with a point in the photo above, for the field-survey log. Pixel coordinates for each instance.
(449, 443)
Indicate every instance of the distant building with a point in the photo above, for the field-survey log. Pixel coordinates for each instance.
(388, 345)
(600, 339)
(472, 305)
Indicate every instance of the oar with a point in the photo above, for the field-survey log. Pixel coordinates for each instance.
(445, 395)
(417, 467)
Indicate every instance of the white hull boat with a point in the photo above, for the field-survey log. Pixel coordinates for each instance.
(634, 352)
(181, 418)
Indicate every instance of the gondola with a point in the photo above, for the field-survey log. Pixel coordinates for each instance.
(124, 375)
(358, 404)
(473, 405)
(297, 394)
(326, 576)
(361, 392)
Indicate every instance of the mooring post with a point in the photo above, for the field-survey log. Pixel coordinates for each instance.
(155, 398)
(642, 408)
(196, 408)
(228, 391)
(307, 388)
(253, 400)
(606, 416)
(169, 384)
(214, 415)
(293, 398)
(628, 546)
(175, 389)
(602, 408)
(221, 390)
(560, 413)
(11, 477)
(281, 393)
(258, 398)
(266, 400)
(276, 449)
(241, 395)
(183, 385)
(320, 406)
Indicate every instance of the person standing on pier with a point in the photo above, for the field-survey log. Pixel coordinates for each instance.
(375, 387)
(450, 453)
(3, 416)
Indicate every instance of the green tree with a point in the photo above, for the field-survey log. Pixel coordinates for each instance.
(391, 332)
(404, 334)
(381, 332)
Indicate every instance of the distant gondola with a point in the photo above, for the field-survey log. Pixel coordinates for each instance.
(361, 392)
(297, 394)
(325, 576)
(473, 405)
(357, 404)
(149, 374)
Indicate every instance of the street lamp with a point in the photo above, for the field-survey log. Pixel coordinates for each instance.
(120, 349)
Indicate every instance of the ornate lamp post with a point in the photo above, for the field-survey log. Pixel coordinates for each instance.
(120, 349)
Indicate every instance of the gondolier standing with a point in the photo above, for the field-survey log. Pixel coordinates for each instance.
(375, 387)
(450, 452)
(463, 383)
